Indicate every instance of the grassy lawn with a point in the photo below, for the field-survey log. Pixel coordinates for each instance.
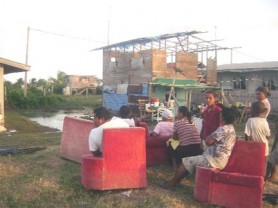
(43, 179)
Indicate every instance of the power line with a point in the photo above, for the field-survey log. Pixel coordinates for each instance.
(245, 54)
(67, 36)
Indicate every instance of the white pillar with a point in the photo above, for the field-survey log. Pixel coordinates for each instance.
(2, 93)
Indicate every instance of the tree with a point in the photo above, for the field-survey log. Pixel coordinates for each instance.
(57, 85)
(19, 83)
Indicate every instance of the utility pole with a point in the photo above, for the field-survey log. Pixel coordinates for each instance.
(26, 62)
(215, 27)
(108, 25)
(231, 58)
(231, 55)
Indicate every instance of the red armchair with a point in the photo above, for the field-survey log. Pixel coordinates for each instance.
(74, 142)
(156, 149)
(123, 161)
(239, 184)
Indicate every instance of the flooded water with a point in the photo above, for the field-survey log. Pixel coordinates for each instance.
(55, 119)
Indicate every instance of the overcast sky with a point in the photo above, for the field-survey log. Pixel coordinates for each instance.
(64, 31)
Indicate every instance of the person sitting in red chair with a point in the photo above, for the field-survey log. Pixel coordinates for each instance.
(186, 141)
(164, 128)
(216, 155)
(125, 114)
(102, 120)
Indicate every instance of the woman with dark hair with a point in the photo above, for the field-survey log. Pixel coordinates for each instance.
(211, 114)
(262, 94)
(186, 133)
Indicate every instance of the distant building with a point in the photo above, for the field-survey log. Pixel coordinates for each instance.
(77, 85)
(248, 76)
(240, 81)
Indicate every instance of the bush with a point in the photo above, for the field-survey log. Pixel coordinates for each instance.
(33, 100)
(36, 100)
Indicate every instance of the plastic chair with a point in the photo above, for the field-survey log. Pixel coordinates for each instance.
(156, 115)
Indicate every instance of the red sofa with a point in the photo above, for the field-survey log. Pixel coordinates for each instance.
(122, 164)
(156, 148)
(239, 184)
(75, 135)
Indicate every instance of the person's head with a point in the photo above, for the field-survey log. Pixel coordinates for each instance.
(210, 97)
(167, 115)
(101, 116)
(262, 93)
(257, 108)
(124, 111)
(228, 115)
(183, 112)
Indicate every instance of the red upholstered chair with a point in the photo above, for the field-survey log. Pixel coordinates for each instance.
(146, 127)
(123, 161)
(75, 135)
(240, 184)
(156, 149)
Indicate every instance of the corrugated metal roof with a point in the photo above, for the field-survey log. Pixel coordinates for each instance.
(179, 83)
(248, 67)
(145, 40)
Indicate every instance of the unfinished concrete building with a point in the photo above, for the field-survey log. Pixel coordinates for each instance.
(77, 85)
(149, 67)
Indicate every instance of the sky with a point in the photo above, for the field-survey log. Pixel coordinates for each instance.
(63, 32)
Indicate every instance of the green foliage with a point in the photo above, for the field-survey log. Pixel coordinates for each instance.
(33, 100)
(58, 84)
(46, 94)
(99, 90)
(36, 99)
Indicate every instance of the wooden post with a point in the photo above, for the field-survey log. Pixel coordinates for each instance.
(231, 55)
(171, 91)
(2, 121)
(26, 62)
(189, 99)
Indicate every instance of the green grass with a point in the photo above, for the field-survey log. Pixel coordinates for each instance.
(79, 102)
(44, 179)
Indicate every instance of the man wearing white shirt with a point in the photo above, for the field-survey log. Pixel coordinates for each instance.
(102, 120)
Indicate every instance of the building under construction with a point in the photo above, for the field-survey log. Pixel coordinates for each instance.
(79, 85)
(149, 67)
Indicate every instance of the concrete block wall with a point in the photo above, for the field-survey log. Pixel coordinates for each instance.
(211, 76)
(188, 63)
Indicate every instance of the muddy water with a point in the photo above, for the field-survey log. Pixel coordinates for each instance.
(56, 119)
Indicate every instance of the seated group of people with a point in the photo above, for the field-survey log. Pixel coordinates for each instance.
(186, 147)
